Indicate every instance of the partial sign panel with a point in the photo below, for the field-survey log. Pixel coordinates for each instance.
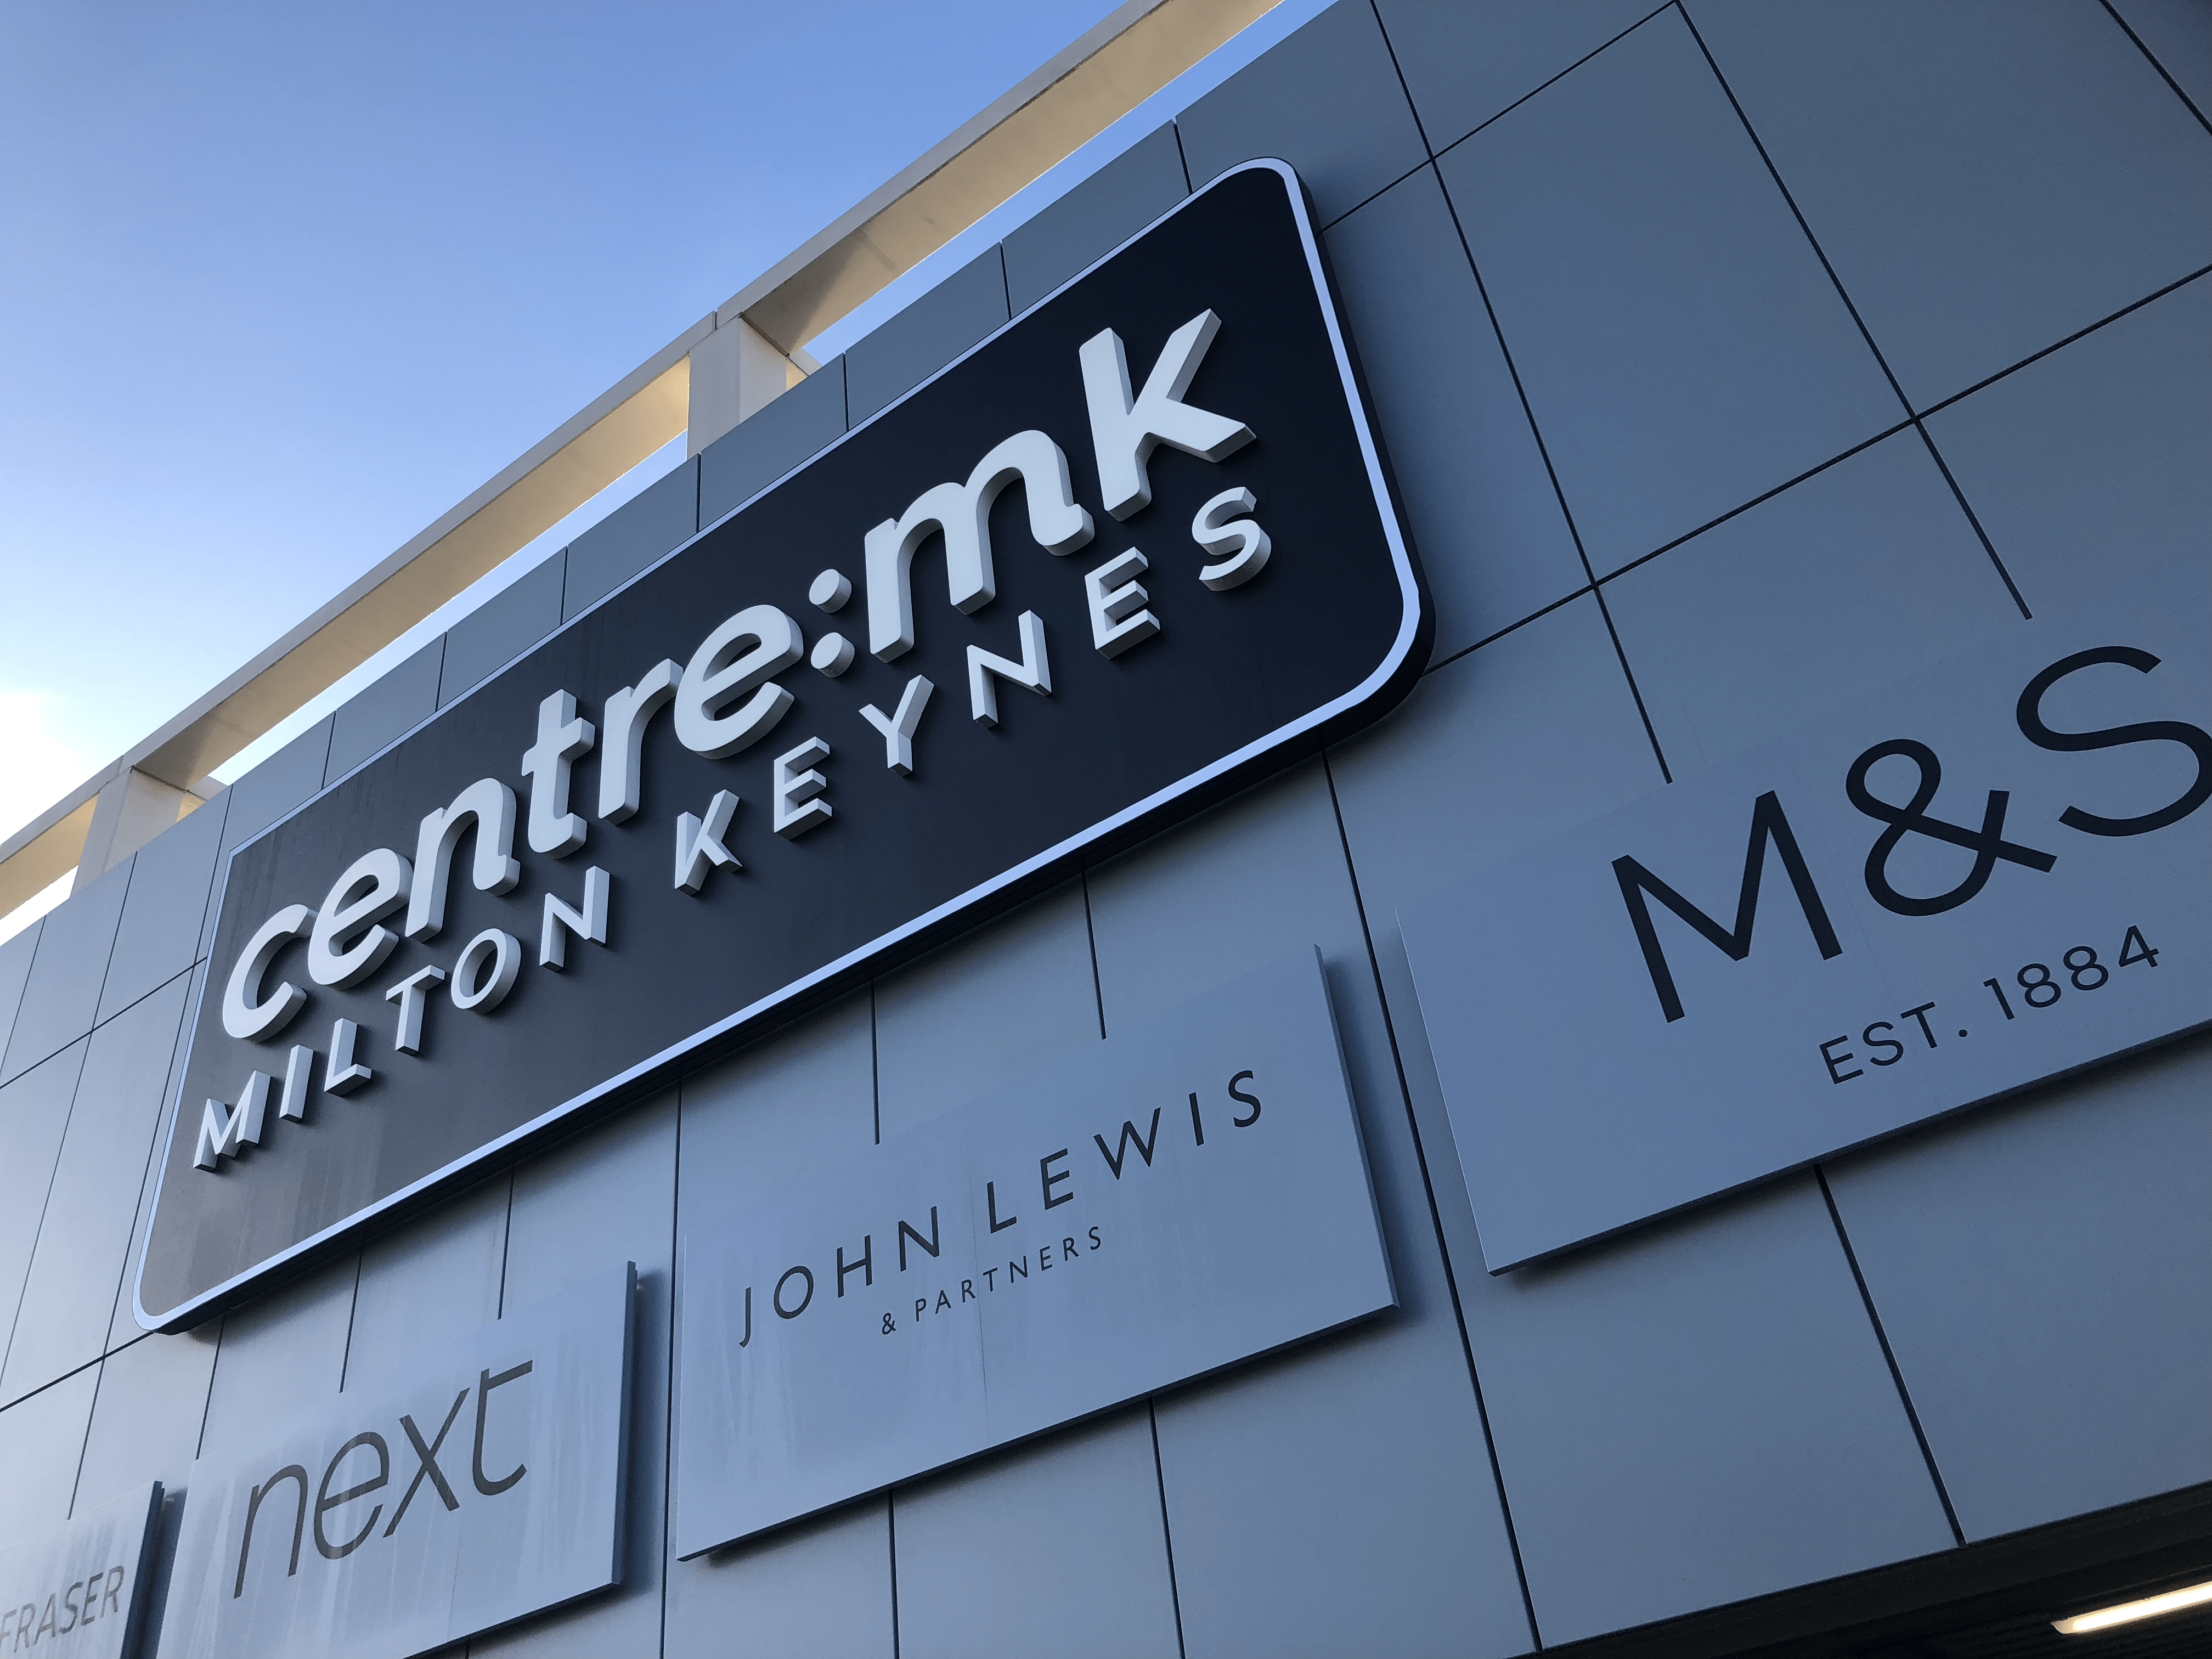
(79, 1589)
(1187, 1195)
(1132, 551)
(1987, 875)
(488, 1486)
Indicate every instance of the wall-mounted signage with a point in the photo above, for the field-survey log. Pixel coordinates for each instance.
(1127, 553)
(78, 1590)
(475, 1487)
(1989, 874)
(1187, 1195)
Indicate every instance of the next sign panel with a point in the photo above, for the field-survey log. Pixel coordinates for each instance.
(1130, 552)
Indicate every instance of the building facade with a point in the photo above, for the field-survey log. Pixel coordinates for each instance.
(1738, 368)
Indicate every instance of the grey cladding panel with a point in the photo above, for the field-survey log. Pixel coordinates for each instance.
(1005, 1560)
(1987, 176)
(15, 969)
(2087, 468)
(62, 996)
(1389, 1484)
(503, 628)
(2178, 35)
(928, 334)
(1716, 1381)
(607, 1198)
(1682, 349)
(983, 1012)
(427, 1284)
(821, 1590)
(41, 1440)
(1494, 545)
(1392, 1485)
(171, 877)
(79, 1261)
(776, 1118)
(661, 516)
(771, 442)
(977, 1577)
(1531, 735)
(1696, 1415)
(146, 1418)
(756, 1128)
(1328, 101)
(276, 786)
(289, 1347)
(33, 1114)
(1467, 61)
(407, 695)
(1257, 880)
(1805, 604)
(2038, 1269)
(1113, 204)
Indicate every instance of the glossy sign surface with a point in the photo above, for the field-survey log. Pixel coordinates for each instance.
(469, 1489)
(1185, 1194)
(1991, 873)
(798, 889)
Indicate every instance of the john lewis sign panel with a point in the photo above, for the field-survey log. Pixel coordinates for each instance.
(1187, 1195)
(1127, 553)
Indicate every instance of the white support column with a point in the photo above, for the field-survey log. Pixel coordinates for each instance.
(735, 372)
(131, 808)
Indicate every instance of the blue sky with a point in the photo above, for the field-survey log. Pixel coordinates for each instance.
(283, 283)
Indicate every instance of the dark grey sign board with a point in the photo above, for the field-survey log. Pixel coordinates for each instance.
(1989, 874)
(1130, 552)
(1184, 1196)
(79, 1589)
(485, 1485)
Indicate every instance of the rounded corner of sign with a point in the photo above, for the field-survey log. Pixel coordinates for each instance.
(144, 1320)
(166, 1324)
(169, 1322)
(1417, 628)
(1294, 187)
(1274, 164)
(1392, 678)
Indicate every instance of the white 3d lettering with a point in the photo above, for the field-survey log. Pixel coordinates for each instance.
(721, 704)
